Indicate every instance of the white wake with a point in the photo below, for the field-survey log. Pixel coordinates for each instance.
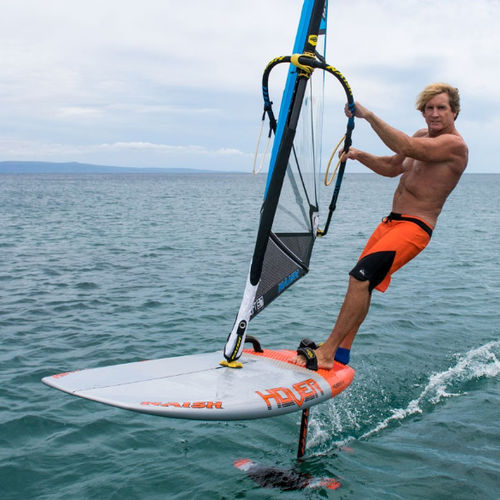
(477, 363)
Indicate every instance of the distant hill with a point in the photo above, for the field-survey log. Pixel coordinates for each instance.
(41, 167)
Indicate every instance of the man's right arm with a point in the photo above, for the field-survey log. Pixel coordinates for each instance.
(388, 166)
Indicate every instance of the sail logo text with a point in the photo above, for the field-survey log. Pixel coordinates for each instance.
(209, 405)
(298, 394)
(288, 281)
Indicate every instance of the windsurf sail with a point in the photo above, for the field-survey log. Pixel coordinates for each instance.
(289, 218)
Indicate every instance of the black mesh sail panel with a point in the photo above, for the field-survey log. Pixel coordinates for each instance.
(293, 233)
(282, 266)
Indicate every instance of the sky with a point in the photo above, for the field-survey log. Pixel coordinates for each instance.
(164, 83)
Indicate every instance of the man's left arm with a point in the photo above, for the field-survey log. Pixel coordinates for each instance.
(429, 149)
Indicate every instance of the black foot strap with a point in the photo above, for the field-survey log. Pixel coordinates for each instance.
(306, 349)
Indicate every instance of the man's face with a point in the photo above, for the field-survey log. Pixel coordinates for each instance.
(438, 114)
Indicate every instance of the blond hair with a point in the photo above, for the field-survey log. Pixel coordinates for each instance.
(434, 89)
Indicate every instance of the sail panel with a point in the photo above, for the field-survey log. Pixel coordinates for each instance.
(288, 219)
(294, 227)
(289, 92)
(282, 267)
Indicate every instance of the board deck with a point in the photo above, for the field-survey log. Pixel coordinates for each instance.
(198, 387)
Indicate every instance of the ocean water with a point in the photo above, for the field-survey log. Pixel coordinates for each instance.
(105, 269)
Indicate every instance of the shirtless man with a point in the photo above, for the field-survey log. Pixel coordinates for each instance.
(431, 163)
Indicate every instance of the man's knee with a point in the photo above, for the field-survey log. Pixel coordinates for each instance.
(355, 281)
(357, 284)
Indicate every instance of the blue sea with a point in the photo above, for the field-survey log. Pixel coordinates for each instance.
(106, 269)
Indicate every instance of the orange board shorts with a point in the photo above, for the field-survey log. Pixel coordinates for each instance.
(396, 240)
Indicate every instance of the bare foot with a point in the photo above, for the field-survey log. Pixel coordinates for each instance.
(298, 360)
(324, 361)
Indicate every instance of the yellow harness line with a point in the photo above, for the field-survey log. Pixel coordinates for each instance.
(256, 170)
(328, 181)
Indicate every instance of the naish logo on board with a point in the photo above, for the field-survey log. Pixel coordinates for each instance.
(209, 405)
(288, 280)
(298, 394)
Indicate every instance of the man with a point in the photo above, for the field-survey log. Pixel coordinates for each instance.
(431, 163)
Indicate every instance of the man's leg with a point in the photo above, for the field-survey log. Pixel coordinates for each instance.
(352, 314)
(364, 306)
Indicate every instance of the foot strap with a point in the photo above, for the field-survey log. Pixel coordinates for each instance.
(306, 349)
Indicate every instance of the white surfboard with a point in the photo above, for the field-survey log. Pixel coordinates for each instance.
(198, 387)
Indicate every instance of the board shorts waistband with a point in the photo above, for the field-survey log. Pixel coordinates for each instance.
(410, 218)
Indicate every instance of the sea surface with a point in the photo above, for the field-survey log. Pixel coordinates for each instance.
(107, 269)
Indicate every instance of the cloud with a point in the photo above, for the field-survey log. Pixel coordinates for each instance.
(78, 74)
(167, 148)
(456, 37)
(79, 112)
(127, 154)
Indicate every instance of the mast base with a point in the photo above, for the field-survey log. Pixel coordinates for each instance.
(231, 364)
